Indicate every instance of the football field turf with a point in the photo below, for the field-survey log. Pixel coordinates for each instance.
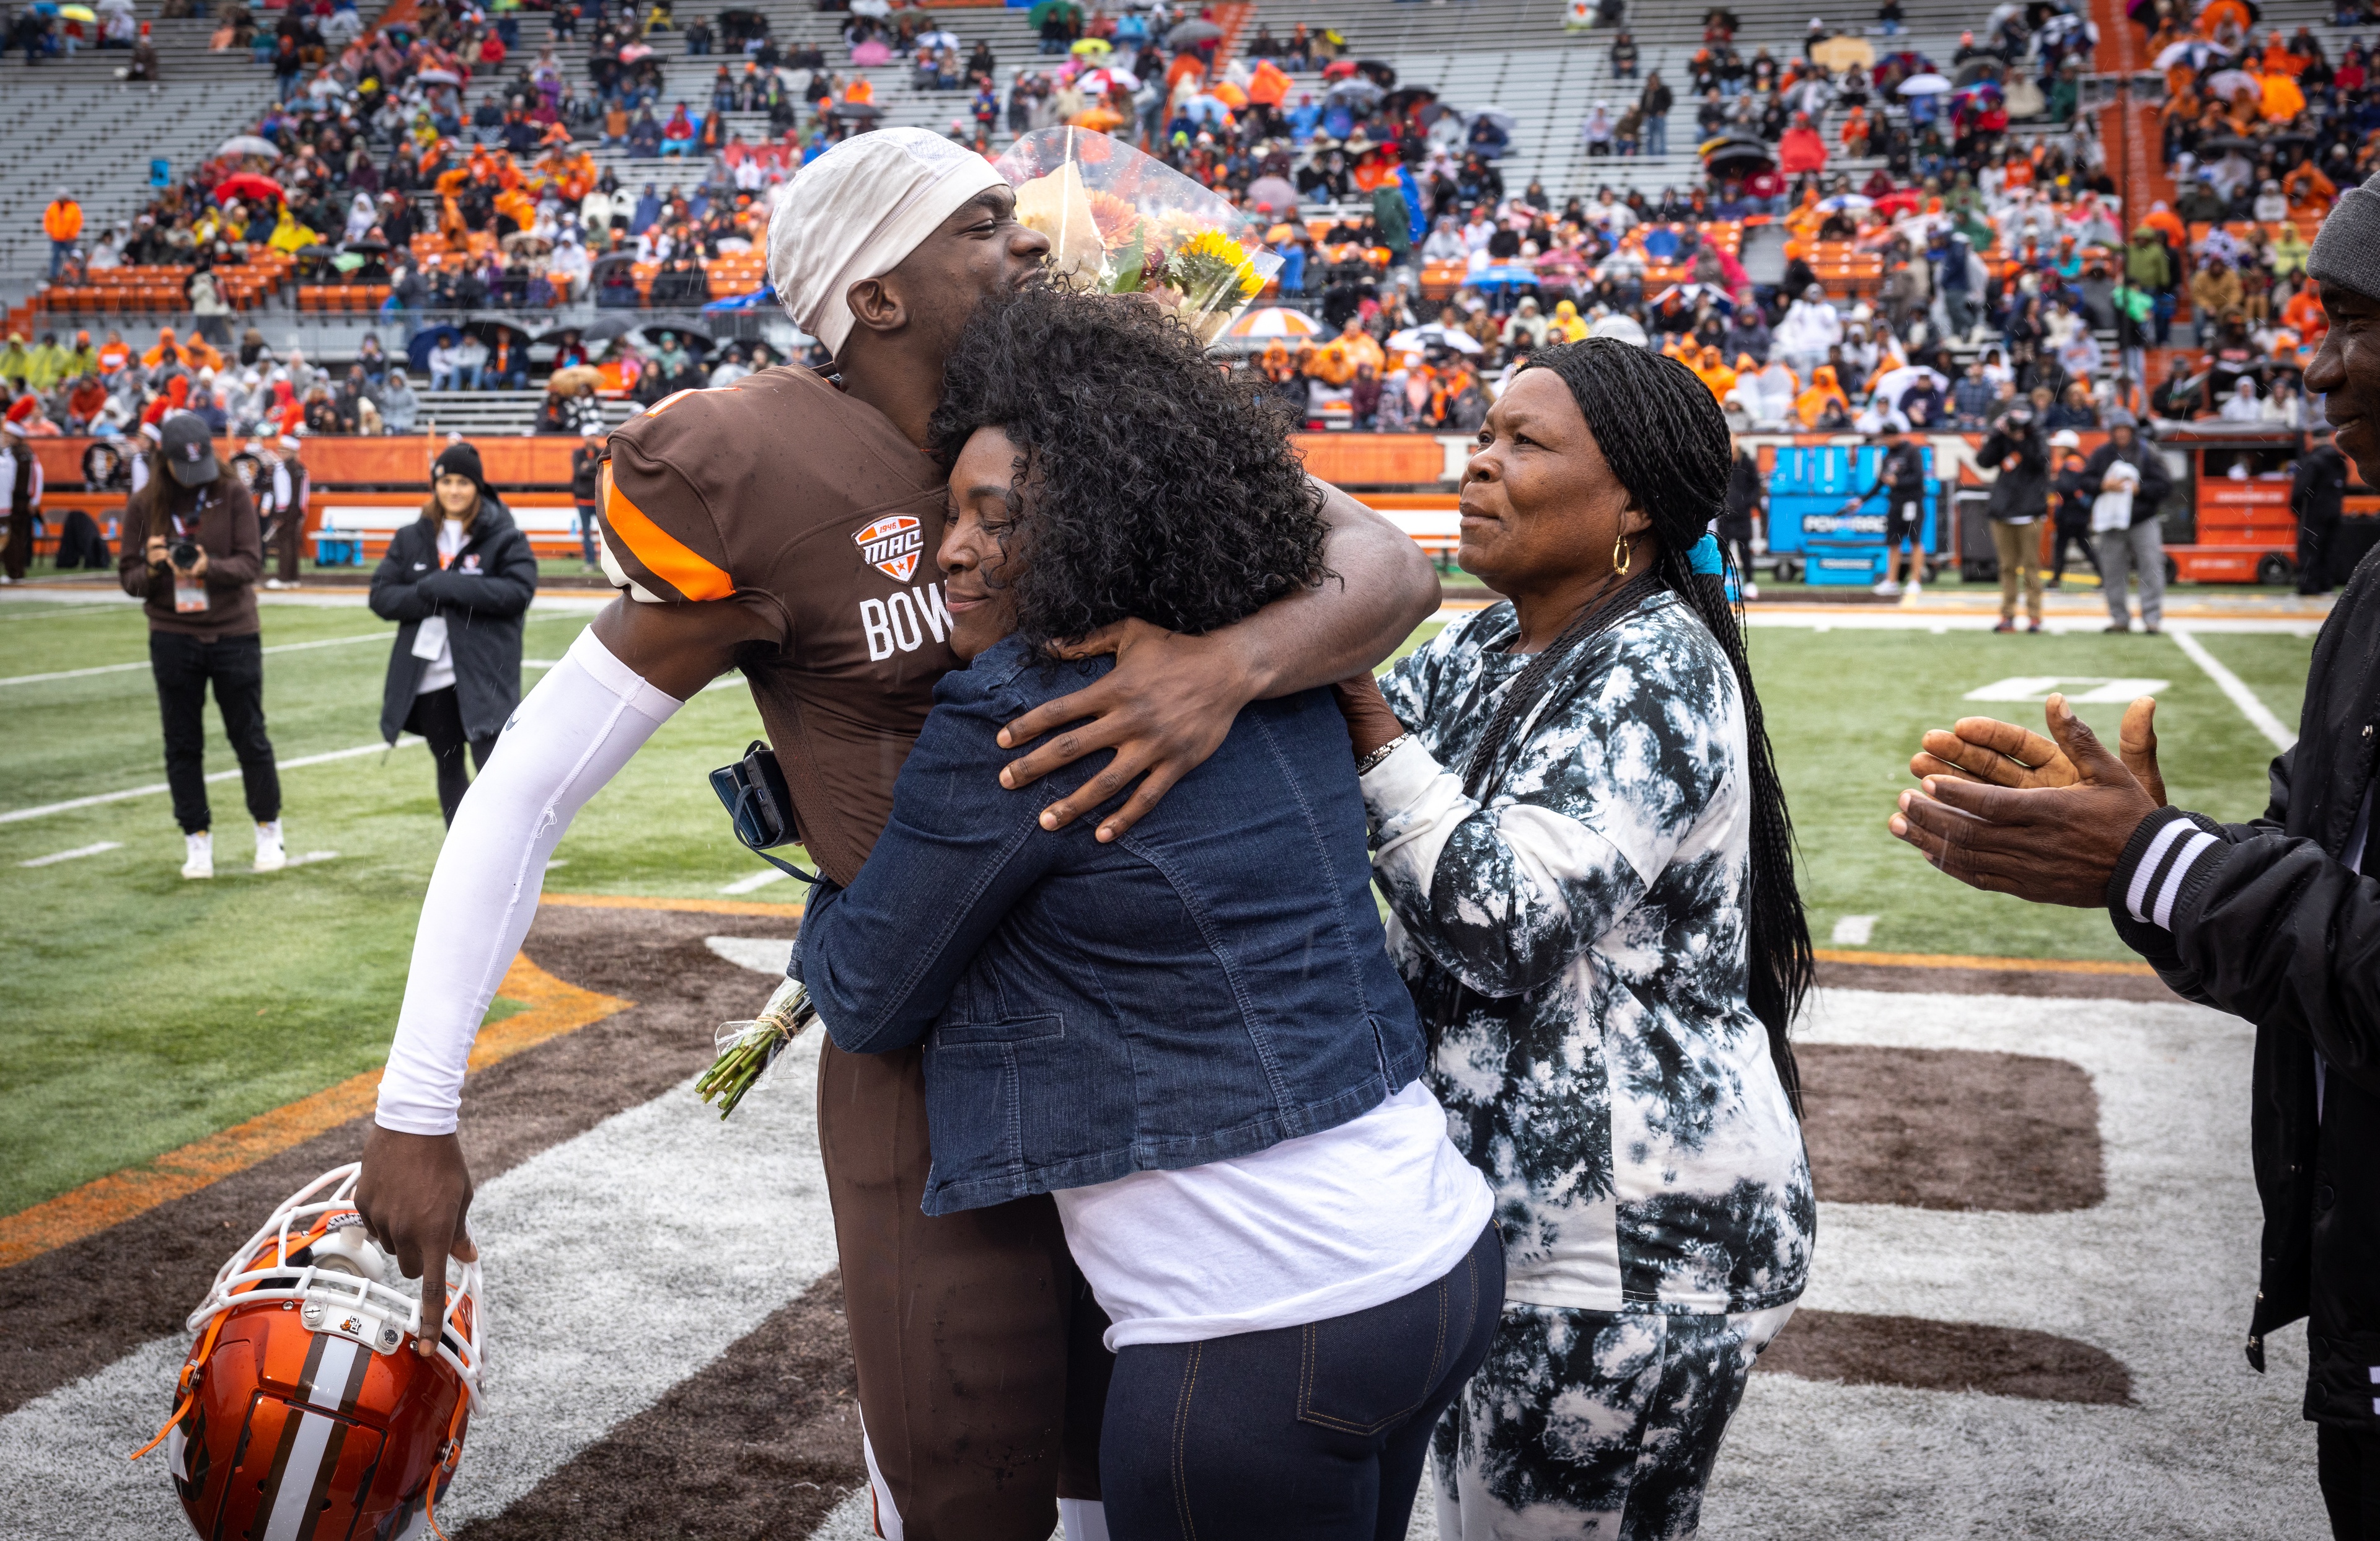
(139, 1011)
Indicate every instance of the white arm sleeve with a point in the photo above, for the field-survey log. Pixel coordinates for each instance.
(583, 721)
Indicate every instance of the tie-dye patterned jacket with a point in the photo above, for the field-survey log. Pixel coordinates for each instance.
(1605, 1072)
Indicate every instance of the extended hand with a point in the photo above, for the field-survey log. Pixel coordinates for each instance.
(2049, 844)
(1370, 722)
(2001, 754)
(1165, 707)
(414, 1194)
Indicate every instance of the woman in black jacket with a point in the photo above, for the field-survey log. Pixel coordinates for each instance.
(459, 580)
(2020, 502)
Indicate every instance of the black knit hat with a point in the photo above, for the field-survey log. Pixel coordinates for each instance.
(461, 459)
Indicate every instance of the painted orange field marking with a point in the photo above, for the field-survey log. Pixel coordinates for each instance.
(554, 1008)
(1961, 960)
(684, 906)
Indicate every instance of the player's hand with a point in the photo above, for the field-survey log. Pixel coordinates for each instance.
(155, 551)
(2001, 754)
(2049, 844)
(414, 1194)
(1166, 706)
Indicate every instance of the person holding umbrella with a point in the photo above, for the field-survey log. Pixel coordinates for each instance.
(458, 580)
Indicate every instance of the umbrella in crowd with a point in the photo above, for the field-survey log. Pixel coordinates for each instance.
(1099, 82)
(2220, 145)
(1978, 70)
(2233, 82)
(576, 377)
(1891, 385)
(1420, 339)
(434, 76)
(1499, 117)
(1379, 71)
(249, 144)
(603, 328)
(78, 13)
(443, 334)
(1275, 321)
(347, 262)
(1737, 157)
(1505, 275)
(635, 51)
(761, 298)
(871, 8)
(1927, 84)
(1694, 294)
(1191, 32)
(1043, 9)
(1229, 95)
(1851, 203)
(248, 188)
(1091, 47)
(855, 112)
(1357, 96)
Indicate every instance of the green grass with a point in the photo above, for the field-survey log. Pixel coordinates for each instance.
(138, 1011)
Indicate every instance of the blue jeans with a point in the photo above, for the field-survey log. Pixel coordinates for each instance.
(1656, 135)
(59, 253)
(1313, 1433)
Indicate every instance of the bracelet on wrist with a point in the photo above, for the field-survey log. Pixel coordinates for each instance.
(1368, 763)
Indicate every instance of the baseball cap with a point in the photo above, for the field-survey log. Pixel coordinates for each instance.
(189, 449)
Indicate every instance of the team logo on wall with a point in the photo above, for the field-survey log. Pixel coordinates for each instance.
(891, 546)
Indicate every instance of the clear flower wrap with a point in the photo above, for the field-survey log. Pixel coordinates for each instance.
(747, 1050)
(1122, 222)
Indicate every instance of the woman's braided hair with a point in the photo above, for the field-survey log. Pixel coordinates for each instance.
(1661, 429)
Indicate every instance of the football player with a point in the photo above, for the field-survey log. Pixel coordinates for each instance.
(784, 525)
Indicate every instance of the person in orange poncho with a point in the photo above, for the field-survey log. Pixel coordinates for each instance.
(1335, 362)
(2212, 19)
(2309, 191)
(2304, 315)
(2282, 100)
(1802, 149)
(1713, 372)
(166, 348)
(1811, 405)
(2279, 60)
(175, 399)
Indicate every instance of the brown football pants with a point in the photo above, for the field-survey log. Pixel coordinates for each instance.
(982, 1380)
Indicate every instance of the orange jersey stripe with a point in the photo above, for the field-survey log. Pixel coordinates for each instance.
(660, 552)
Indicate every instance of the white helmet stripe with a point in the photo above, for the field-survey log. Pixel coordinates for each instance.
(311, 1454)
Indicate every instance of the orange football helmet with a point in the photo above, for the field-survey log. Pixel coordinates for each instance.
(305, 1413)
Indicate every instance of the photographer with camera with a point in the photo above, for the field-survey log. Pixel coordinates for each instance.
(192, 551)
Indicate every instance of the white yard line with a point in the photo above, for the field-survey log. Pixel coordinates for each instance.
(1853, 931)
(2231, 684)
(46, 809)
(2160, 1275)
(1886, 618)
(122, 668)
(78, 851)
(757, 880)
(609, 1277)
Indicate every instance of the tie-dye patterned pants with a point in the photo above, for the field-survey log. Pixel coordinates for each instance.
(1592, 1424)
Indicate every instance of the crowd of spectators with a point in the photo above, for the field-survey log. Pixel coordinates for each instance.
(110, 388)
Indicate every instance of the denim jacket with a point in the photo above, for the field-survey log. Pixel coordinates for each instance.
(1210, 985)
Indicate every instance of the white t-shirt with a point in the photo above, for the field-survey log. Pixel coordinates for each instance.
(1312, 1228)
(430, 640)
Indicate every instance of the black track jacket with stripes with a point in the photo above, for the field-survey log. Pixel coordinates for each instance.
(2266, 920)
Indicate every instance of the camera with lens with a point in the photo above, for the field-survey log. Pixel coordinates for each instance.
(184, 555)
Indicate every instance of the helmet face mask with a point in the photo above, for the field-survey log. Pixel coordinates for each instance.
(304, 1409)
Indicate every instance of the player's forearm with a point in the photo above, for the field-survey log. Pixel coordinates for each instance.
(571, 735)
(1384, 586)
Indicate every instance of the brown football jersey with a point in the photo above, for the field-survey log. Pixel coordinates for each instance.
(819, 520)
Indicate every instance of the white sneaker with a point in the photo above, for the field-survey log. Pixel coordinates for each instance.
(1889, 588)
(1752, 590)
(269, 858)
(199, 854)
(275, 583)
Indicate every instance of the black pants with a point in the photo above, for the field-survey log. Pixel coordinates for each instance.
(2313, 556)
(18, 553)
(2081, 537)
(183, 666)
(438, 717)
(1313, 1433)
(81, 545)
(2348, 1463)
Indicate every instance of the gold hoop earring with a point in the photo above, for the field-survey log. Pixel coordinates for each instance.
(1622, 554)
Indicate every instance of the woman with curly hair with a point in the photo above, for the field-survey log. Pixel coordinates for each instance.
(1584, 844)
(1190, 1036)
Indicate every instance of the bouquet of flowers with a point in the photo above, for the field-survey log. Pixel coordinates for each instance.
(747, 1050)
(1123, 223)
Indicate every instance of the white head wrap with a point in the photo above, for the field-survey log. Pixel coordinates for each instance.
(855, 212)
